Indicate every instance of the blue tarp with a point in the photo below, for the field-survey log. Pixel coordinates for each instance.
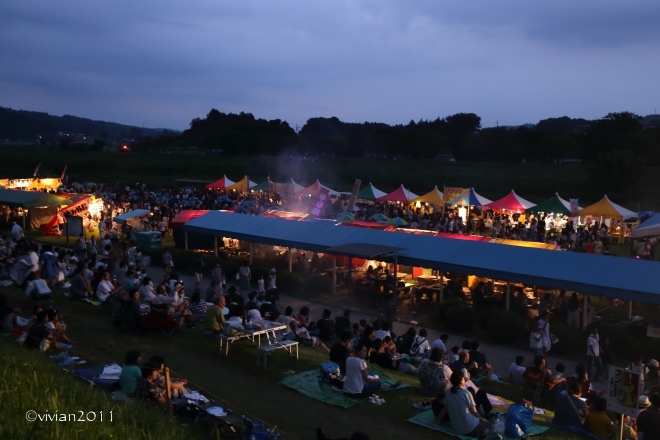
(121, 218)
(623, 278)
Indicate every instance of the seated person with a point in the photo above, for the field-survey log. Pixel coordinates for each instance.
(581, 377)
(433, 374)
(385, 360)
(404, 342)
(179, 304)
(215, 289)
(39, 336)
(197, 307)
(535, 376)
(339, 351)
(557, 379)
(301, 334)
(177, 386)
(107, 290)
(80, 285)
(367, 337)
(147, 290)
(462, 409)
(358, 382)
(267, 308)
(254, 317)
(148, 388)
(420, 345)
(56, 327)
(236, 314)
(326, 326)
(130, 373)
(453, 354)
(389, 346)
(252, 301)
(597, 422)
(234, 297)
(484, 369)
(516, 371)
(343, 322)
(287, 317)
(383, 331)
(214, 320)
(161, 296)
(570, 409)
(441, 342)
(463, 364)
(304, 318)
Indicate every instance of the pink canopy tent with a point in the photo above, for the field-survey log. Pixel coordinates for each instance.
(401, 195)
(313, 190)
(511, 202)
(223, 183)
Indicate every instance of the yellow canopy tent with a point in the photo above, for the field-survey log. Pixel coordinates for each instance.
(607, 209)
(242, 185)
(434, 197)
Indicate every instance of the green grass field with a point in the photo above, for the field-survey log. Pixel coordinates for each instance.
(235, 381)
(536, 182)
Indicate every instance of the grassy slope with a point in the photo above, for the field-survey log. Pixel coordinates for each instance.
(30, 382)
(537, 182)
(236, 382)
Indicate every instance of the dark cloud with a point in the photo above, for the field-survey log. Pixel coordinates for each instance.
(165, 62)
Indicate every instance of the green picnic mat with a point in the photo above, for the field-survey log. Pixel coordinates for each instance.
(427, 419)
(307, 383)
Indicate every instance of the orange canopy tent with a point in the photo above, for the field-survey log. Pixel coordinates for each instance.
(242, 185)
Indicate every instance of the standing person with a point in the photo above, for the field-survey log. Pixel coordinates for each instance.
(198, 268)
(166, 261)
(358, 382)
(544, 326)
(639, 367)
(593, 354)
(244, 276)
(16, 231)
(272, 294)
(648, 421)
(536, 341)
(162, 227)
(573, 318)
(390, 310)
(216, 274)
(81, 247)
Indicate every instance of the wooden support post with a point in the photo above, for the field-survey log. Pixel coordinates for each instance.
(630, 309)
(508, 295)
(442, 287)
(290, 265)
(168, 390)
(250, 253)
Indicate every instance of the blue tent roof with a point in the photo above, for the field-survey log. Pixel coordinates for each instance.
(121, 218)
(586, 273)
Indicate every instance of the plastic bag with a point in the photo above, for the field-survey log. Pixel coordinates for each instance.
(499, 425)
(518, 421)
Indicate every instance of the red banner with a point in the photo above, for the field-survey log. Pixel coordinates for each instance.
(320, 202)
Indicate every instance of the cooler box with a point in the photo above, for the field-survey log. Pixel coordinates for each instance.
(148, 241)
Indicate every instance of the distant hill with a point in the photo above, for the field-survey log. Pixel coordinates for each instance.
(27, 126)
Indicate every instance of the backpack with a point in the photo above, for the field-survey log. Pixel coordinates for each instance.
(402, 344)
(414, 349)
(329, 371)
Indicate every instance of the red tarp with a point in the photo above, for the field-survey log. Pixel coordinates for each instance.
(185, 216)
(365, 224)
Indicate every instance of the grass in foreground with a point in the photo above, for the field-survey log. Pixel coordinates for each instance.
(33, 387)
(234, 382)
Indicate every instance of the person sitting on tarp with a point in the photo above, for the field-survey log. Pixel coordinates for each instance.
(358, 382)
(460, 405)
(570, 409)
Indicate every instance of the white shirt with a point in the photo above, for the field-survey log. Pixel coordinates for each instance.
(354, 382)
(34, 260)
(104, 289)
(593, 344)
(516, 372)
(380, 334)
(255, 316)
(439, 344)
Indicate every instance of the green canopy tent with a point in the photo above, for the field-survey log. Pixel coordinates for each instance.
(555, 205)
(370, 192)
(263, 186)
(30, 199)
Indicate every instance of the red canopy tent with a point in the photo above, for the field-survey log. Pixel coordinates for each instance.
(185, 216)
(223, 183)
(511, 202)
(401, 195)
(365, 224)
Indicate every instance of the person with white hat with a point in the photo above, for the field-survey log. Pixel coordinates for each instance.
(648, 421)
